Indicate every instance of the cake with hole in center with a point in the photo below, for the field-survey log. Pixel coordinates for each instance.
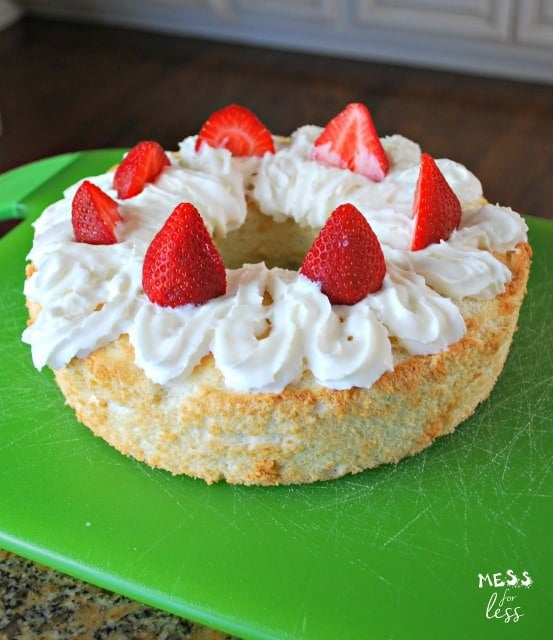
(275, 310)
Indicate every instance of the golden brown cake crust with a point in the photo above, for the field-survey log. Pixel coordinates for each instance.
(307, 432)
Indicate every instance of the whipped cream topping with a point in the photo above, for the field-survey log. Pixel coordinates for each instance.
(290, 185)
(272, 324)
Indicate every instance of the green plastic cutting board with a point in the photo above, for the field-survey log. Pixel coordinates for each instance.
(416, 550)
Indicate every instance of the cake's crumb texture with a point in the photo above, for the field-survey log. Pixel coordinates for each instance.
(307, 432)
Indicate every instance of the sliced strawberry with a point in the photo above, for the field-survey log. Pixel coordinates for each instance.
(182, 265)
(142, 164)
(94, 215)
(346, 258)
(237, 129)
(350, 141)
(436, 208)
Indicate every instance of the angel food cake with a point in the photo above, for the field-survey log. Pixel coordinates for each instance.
(275, 310)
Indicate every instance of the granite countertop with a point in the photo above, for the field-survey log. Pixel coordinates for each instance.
(37, 602)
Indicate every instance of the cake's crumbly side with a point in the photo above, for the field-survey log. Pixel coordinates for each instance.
(307, 432)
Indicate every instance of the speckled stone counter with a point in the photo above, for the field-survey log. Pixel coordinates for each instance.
(39, 603)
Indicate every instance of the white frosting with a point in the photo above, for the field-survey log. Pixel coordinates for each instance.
(289, 184)
(423, 321)
(90, 295)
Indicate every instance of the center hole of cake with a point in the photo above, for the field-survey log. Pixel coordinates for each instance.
(261, 239)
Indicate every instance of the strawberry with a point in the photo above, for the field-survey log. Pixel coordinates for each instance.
(237, 129)
(182, 265)
(142, 164)
(436, 208)
(346, 258)
(350, 141)
(94, 215)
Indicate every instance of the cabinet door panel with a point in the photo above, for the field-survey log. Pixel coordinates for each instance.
(470, 18)
(535, 22)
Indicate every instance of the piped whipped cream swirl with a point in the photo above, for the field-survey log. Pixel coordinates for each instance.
(272, 324)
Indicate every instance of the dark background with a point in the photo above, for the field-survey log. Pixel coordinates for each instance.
(67, 87)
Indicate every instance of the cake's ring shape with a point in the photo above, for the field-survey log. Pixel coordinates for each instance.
(297, 427)
(91, 295)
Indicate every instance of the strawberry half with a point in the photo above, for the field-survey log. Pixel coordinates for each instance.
(237, 129)
(182, 265)
(350, 141)
(142, 164)
(94, 215)
(436, 208)
(346, 258)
